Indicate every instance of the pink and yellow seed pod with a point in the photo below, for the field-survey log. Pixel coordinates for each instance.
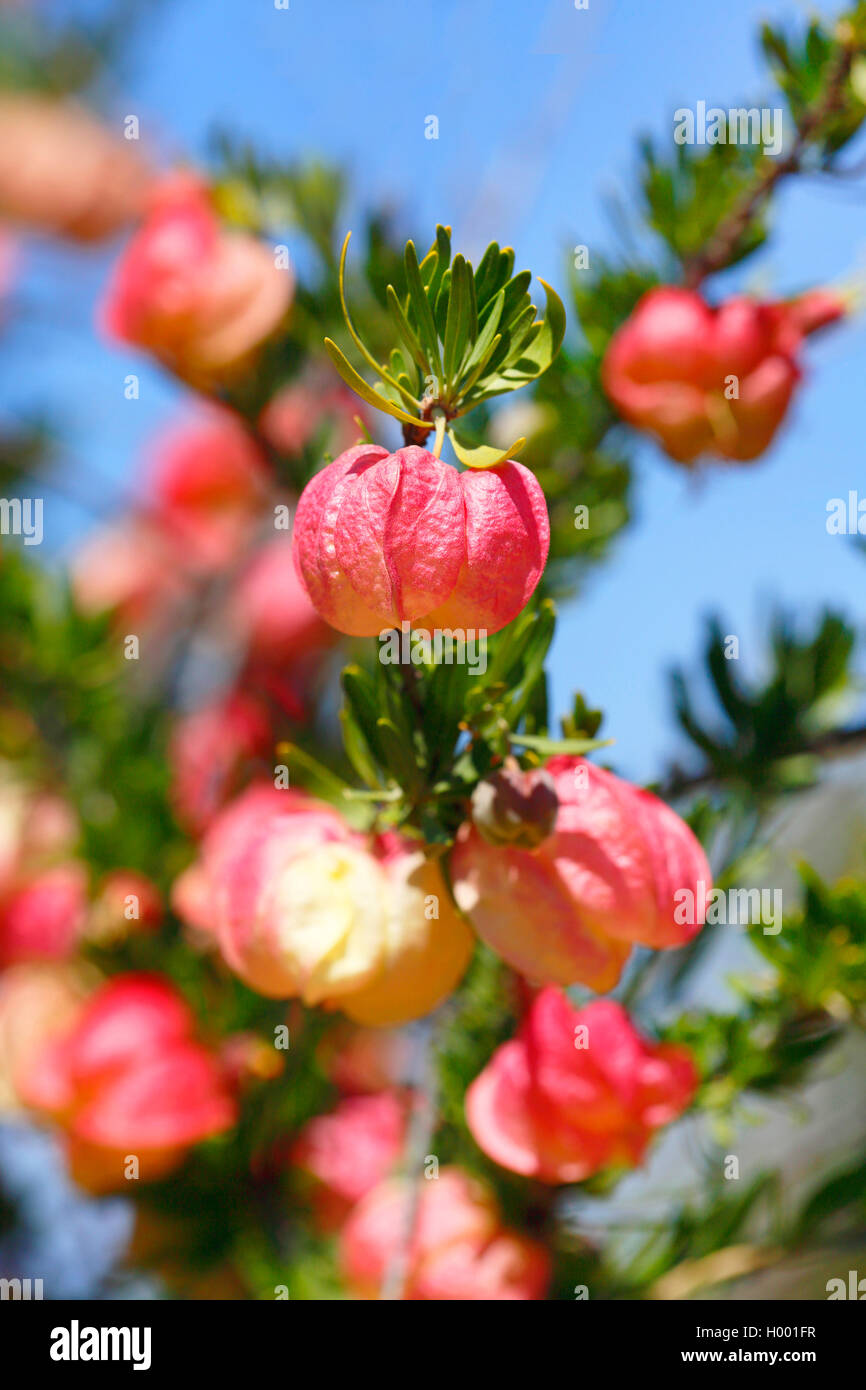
(303, 907)
(577, 1090)
(128, 1078)
(347, 1152)
(711, 381)
(606, 878)
(197, 296)
(382, 538)
(63, 173)
(460, 1248)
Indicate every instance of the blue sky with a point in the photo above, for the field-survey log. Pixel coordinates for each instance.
(538, 106)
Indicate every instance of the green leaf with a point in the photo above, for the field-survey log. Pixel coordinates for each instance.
(457, 323)
(421, 307)
(493, 276)
(481, 455)
(367, 392)
(314, 774)
(359, 689)
(527, 349)
(518, 333)
(405, 329)
(443, 711)
(357, 749)
(486, 341)
(443, 261)
(398, 755)
(400, 372)
(485, 275)
(508, 649)
(516, 296)
(441, 302)
(549, 340)
(840, 1191)
(552, 746)
(364, 351)
(539, 637)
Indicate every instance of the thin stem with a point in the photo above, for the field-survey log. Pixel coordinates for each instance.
(441, 420)
(835, 743)
(422, 1127)
(717, 255)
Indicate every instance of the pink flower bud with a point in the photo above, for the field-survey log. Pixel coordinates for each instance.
(199, 297)
(459, 1248)
(209, 752)
(270, 611)
(361, 1061)
(248, 1058)
(43, 919)
(304, 907)
(36, 829)
(607, 877)
(705, 380)
(129, 1080)
(130, 568)
(313, 409)
(51, 827)
(385, 538)
(349, 1151)
(13, 807)
(576, 1091)
(64, 173)
(205, 486)
(513, 807)
(127, 903)
(37, 1001)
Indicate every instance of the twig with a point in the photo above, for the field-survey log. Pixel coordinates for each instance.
(717, 254)
(422, 1127)
(835, 743)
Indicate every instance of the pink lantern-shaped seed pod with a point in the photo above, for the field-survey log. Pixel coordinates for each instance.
(611, 874)
(381, 539)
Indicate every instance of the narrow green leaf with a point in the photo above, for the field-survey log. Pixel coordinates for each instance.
(364, 351)
(539, 637)
(443, 711)
(472, 300)
(357, 750)
(383, 794)
(508, 648)
(398, 755)
(485, 275)
(485, 344)
(440, 305)
(421, 306)
(314, 775)
(436, 262)
(551, 746)
(481, 455)
(359, 689)
(400, 373)
(367, 392)
(406, 331)
(516, 297)
(458, 318)
(468, 385)
(535, 353)
(549, 340)
(500, 269)
(518, 328)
